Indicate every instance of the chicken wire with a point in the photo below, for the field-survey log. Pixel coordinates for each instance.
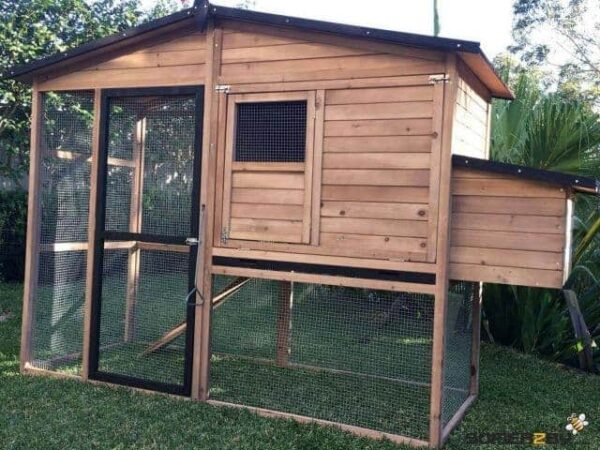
(65, 152)
(458, 346)
(130, 324)
(270, 132)
(355, 356)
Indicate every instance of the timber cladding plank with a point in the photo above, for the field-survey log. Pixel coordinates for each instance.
(268, 180)
(378, 144)
(287, 52)
(507, 258)
(508, 240)
(505, 188)
(412, 211)
(376, 194)
(399, 110)
(376, 177)
(267, 211)
(268, 196)
(516, 205)
(508, 222)
(379, 95)
(379, 127)
(376, 227)
(372, 160)
(266, 229)
(245, 39)
(374, 246)
(507, 275)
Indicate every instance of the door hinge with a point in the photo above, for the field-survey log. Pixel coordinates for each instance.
(222, 88)
(224, 235)
(433, 79)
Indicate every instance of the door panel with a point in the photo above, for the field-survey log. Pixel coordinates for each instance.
(148, 196)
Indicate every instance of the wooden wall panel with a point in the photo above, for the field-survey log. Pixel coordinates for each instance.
(177, 62)
(507, 230)
(471, 132)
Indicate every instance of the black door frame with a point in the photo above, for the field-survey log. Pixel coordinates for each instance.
(101, 235)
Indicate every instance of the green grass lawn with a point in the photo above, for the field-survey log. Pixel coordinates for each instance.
(519, 394)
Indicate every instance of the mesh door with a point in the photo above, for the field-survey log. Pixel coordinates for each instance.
(65, 153)
(144, 270)
(360, 357)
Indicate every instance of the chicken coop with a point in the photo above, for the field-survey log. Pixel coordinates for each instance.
(280, 214)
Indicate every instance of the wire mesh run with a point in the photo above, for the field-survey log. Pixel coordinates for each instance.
(65, 154)
(270, 132)
(458, 346)
(133, 318)
(355, 356)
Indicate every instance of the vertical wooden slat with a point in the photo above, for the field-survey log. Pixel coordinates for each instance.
(488, 131)
(476, 340)
(284, 322)
(135, 226)
(228, 163)
(435, 171)
(33, 227)
(220, 166)
(201, 352)
(308, 168)
(91, 248)
(317, 171)
(568, 252)
(443, 251)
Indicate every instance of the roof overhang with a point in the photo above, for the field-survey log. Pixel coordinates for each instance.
(576, 183)
(198, 15)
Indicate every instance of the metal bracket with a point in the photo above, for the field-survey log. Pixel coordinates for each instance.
(224, 235)
(443, 78)
(192, 241)
(222, 88)
(188, 298)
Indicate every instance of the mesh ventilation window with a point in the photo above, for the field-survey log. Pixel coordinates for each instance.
(270, 132)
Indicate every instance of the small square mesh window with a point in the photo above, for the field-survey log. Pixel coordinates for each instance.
(270, 132)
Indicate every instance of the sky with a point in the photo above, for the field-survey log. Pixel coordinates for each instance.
(485, 21)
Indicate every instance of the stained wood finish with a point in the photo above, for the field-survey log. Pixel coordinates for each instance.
(507, 230)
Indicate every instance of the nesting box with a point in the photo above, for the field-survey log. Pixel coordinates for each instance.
(280, 214)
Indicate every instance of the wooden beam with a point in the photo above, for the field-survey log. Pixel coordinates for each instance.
(442, 258)
(325, 279)
(33, 227)
(284, 322)
(476, 339)
(317, 170)
(457, 418)
(201, 353)
(359, 431)
(91, 247)
(135, 226)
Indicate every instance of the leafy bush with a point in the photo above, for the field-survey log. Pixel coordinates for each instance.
(13, 226)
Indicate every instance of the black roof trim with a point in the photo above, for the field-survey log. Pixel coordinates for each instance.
(200, 10)
(581, 184)
(396, 37)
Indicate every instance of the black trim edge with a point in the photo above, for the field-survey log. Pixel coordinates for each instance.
(321, 269)
(529, 173)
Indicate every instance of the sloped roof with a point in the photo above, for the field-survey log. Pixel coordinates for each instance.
(575, 182)
(469, 51)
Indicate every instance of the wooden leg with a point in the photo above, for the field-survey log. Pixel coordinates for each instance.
(284, 322)
(476, 341)
(132, 283)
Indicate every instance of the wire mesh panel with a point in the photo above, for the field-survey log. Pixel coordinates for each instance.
(131, 328)
(355, 356)
(270, 132)
(458, 344)
(65, 154)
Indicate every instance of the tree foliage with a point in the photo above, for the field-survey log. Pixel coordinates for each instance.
(32, 29)
(563, 37)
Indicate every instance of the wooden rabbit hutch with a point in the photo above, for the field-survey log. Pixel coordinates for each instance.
(280, 214)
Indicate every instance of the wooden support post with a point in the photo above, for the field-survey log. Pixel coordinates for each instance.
(135, 226)
(91, 247)
(442, 255)
(201, 353)
(284, 322)
(476, 339)
(33, 227)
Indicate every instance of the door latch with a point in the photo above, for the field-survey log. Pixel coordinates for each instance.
(192, 241)
(224, 235)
